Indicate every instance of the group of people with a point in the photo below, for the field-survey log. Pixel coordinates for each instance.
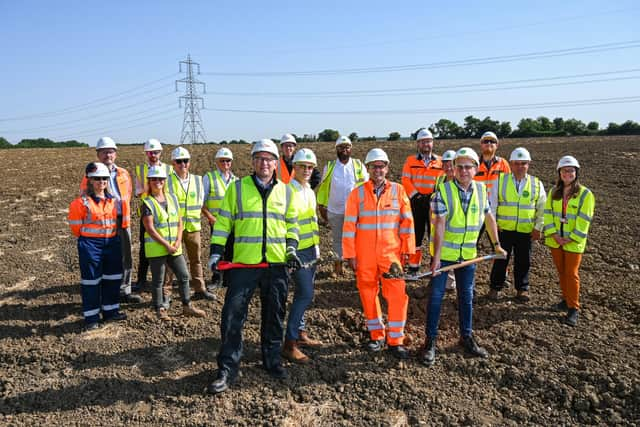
(265, 231)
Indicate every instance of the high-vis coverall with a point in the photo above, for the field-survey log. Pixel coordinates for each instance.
(94, 222)
(377, 232)
(419, 176)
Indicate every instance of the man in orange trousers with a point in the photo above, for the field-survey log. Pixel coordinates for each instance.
(377, 233)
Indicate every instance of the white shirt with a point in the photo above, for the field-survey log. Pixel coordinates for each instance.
(542, 199)
(113, 186)
(342, 182)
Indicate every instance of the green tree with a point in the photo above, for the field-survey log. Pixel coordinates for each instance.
(328, 135)
(544, 124)
(504, 130)
(353, 137)
(394, 136)
(471, 127)
(4, 143)
(630, 128)
(447, 129)
(593, 126)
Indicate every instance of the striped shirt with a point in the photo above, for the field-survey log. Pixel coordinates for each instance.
(439, 208)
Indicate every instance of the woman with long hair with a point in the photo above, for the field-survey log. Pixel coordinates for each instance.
(567, 217)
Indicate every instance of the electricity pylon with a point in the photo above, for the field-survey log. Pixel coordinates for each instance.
(192, 129)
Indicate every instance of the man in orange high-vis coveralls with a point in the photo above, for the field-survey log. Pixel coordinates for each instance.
(378, 232)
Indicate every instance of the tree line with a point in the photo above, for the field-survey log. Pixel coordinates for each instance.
(472, 127)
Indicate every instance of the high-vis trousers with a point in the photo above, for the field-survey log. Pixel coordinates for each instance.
(393, 291)
(100, 277)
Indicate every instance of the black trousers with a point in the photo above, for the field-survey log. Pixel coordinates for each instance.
(143, 263)
(520, 245)
(420, 209)
(274, 285)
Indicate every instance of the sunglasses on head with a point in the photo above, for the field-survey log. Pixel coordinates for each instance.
(100, 178)
(185, 161)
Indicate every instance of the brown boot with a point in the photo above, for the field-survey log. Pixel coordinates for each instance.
(163, 315)
(305, 341)
(337, 267)
(522, 297)
(191, 311)
(292, 352)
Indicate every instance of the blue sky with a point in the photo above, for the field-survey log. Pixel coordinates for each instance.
(83, 69)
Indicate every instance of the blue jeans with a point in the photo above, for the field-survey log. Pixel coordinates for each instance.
(465, 282)
(303, 279)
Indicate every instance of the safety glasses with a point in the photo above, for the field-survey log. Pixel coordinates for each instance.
(100, 178)
(465, 167)
(183, 161)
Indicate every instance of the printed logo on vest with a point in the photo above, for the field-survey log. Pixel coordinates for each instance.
(525, 193)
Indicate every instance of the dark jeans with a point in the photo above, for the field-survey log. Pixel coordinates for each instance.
(420, 208)
(520, 245)
(303, 279)
(178, 265)
(465, 281)
(273, 284)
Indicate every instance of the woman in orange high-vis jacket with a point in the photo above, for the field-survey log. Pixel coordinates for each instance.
(378, 232)
(93, 218)
(567, 218)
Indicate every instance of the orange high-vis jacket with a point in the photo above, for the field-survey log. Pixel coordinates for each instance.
(283, 172)
(378, 228)
(89, 218)
(418, 177)
(490, 177)
(123, 179)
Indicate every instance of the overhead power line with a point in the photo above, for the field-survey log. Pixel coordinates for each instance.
(445, 64)
(94, 103)
(192, 128)
(462, 88)
(573, 103)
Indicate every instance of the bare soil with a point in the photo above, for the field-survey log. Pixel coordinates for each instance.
(143, 371)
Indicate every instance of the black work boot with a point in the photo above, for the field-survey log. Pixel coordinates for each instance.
(375, 345)
(278, 372)
(428, 353)
(572, 317)
(561, 306)
(222, 382)
(399, 351)
(472, 348)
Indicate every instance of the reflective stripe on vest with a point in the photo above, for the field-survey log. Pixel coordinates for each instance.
(217, 190)
(99, 222)
(517, 212)
(462, 229)
(256, 231)
(309, 234)
(578, 218)
(325, 186)
(166, 224)
(190, 202)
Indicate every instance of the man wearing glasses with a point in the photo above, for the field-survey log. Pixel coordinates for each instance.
(187, 189)
(263, 215)
(458, 209)
(153, 152)
(419, 175)
(215, 184)
(491, 166)
(338, 179)
(378, 233)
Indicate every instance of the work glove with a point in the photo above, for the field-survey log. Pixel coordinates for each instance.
(214, 259)
(293, 261)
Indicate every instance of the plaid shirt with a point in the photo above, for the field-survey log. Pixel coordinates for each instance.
(439, 209)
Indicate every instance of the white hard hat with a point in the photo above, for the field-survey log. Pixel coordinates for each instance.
(157, 172)
(468, 153)
(520, 154)
(489, 135)
(152, 145)
(424, 134)
(105, 142)
(343, 140)
(224, 153)
(180, 153)
(266, 145)
(305, 155)
(376, 154)
(448, 155)
(568, 161)
(98, 170)
(287, 137)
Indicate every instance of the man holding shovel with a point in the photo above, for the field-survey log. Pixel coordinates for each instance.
(458, 208)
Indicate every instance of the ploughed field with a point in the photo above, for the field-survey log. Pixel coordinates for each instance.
(144, 371)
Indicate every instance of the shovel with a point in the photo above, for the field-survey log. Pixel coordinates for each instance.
(418, 276)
